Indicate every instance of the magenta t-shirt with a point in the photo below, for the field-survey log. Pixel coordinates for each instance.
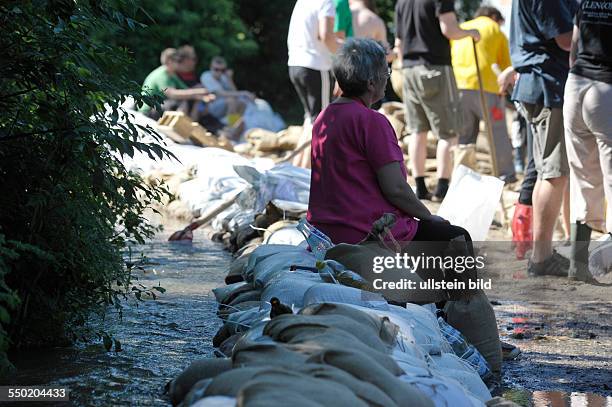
(350, 142)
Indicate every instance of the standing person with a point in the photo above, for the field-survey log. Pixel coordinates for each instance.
(540, 36)
(311, 43)
(588, 130)
(492, 49)
(366, 23)
(423, 30)
(343, 21)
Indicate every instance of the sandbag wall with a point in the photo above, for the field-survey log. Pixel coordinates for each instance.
(329, 345)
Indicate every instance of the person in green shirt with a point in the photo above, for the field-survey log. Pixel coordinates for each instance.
(343, 23)
(164, 80)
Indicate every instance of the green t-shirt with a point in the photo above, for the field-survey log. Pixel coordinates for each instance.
(344, 18)
(158, 81)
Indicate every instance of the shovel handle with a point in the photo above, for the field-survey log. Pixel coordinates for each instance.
(212, 214)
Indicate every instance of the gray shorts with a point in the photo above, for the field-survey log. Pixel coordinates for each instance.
(549, 153)
(431, 100)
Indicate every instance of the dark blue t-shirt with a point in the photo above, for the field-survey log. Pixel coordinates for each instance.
(542, 65)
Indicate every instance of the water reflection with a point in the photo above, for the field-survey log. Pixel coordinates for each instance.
(159, 338)
(559, 399)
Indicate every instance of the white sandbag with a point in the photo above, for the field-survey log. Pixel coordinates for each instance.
(290, 288)
(325, 292)
(280, 262)
(600, 255)
(474, 214)
(442, 392)
(259, 114)
(417, 324)
(287, 235)
(242, 321)
(215, 401)
(265, 251)
(451, 366)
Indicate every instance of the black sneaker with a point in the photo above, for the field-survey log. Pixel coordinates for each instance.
(555, 265)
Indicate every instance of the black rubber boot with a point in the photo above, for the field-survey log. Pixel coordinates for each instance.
(580, 237)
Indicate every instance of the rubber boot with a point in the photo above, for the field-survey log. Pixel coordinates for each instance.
(522, 232)
(580, 237)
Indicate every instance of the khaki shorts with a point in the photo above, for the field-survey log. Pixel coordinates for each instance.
(431, 100)
(549, 153)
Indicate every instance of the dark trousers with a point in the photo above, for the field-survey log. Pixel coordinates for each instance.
(314, 88)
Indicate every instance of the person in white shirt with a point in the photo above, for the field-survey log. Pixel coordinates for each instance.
(311, 42)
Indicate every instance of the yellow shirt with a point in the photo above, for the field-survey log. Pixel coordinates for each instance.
(492, 49)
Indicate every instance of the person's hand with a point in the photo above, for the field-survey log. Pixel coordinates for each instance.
(505, 80)
(436, 218)
(474, 34)
(209, 98)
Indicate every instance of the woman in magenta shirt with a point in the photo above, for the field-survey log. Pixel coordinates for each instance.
(358, 171)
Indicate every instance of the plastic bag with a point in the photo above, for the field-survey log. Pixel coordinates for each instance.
(464, 350)
(318, 242)
(474, 214)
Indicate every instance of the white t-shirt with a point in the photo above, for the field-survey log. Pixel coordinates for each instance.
(305, 48)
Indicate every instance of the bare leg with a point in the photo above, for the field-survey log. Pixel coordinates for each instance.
(547, 198)
(418, 153)
(443, 156)
(566, 211)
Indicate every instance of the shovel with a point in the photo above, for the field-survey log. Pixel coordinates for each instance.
(487, 119)
(186, 234)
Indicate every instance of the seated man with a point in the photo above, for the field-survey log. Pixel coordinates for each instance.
(188, 67)
(229, 100)
(164, 80)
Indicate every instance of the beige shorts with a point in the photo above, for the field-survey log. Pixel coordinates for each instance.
(588, 136)
(431, 100)
(549, 153)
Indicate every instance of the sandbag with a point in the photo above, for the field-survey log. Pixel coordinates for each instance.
(223, 293)
(309, 342)
(360, 259)
(265, 354)
(442, 391)
(229, 382)
(290, 288)
(364, 390)
(196, 371)
(475, 319)
(387, 330)
(224, 311)
(270, 266)
(300, 390)
(325, 292)
(215, 401)
(451, 366)
(416, 325)
(251, 295)
(235, 270)
(365, 368)
(284, 328)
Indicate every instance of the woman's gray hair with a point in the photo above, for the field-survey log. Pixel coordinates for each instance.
(358, 61)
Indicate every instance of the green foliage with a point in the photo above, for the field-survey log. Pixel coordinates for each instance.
(69, 206)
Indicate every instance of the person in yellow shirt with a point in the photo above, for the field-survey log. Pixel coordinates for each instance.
(492, 50)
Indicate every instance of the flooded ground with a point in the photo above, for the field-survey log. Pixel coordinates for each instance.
(159, 338)
(566, 356)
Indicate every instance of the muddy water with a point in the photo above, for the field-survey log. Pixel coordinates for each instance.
(159, 338)
(566, 358)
